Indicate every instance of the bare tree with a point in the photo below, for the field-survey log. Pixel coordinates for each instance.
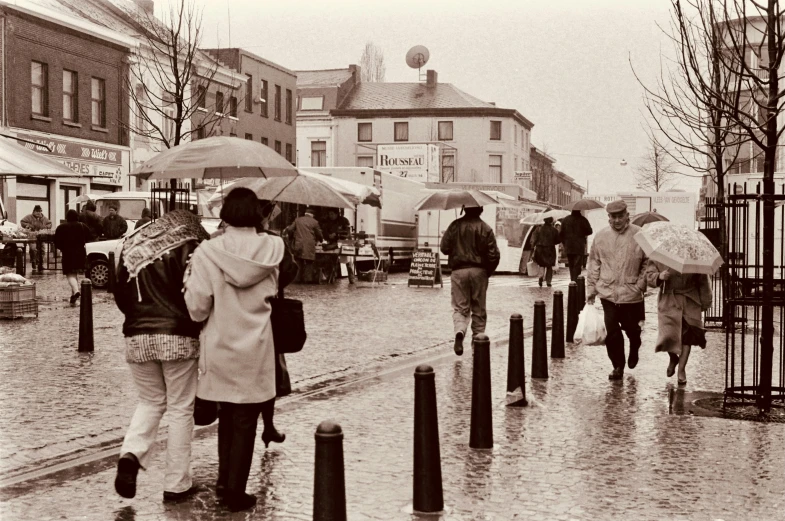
(749, 53)
(168, 82)
(372, 64)
(657, 170)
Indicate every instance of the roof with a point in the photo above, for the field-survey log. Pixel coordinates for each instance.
(418, 99)
(239, 51)
(371, 96)
(326, 77)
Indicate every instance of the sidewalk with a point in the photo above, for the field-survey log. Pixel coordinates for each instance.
(585, 449)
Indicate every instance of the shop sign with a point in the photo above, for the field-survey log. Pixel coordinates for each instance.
(425, 269)
(106, 174)
(68, 149)
(415, 162)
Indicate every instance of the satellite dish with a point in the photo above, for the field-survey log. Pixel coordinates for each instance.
(417, 56)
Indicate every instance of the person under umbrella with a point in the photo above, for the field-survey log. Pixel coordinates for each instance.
(575, 228)
(545, 239)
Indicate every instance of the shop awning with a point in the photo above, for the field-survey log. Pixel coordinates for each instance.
(17, 160)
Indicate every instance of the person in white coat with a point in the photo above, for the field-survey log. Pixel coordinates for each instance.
(231, 280)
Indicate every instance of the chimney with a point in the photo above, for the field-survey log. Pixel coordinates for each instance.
(356, 73)
(146, 6)
(431, 77)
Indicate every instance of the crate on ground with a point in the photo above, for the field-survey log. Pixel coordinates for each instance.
(18, 309)
(372, 276)
(17, 293)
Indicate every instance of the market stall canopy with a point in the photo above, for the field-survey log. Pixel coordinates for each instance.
(218, 157)
(306, 188)
(17, 160)
(451, 199)
(679, 247)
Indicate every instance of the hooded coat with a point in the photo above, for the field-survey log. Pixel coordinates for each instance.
(230, 282)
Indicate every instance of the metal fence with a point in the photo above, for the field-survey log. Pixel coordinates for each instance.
(161, 197)
(743, 297)
(710, 227)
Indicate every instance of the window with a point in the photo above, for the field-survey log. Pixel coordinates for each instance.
(402, 131)
(200, 132)
(289, 152)
(263, 93)
(289, 105)
(249, 94)
(219, 102)
(265, 142)
(249, 136)
(312, 103)
(70, 96)
(39, 79)
(496, 130)
(201, 97)
(140, 106)
(515, 135)
(495, 169)
(445, 131)
(99, 102)
(278, 146)
(277, 103)
(365, 161)
(169, 117)
(318, 153)
(233, 106)
(364, 132)
(523, 139)
(448, 168)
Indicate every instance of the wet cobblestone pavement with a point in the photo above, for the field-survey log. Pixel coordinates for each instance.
(55, 401)
(585, 449)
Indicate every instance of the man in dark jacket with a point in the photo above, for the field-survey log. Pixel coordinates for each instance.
(114, 224)
(574, 230)
(92, 220)
(305, 233)
(473, 257)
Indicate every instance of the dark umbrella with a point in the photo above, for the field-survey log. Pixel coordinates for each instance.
(584, 204)
(648, 217)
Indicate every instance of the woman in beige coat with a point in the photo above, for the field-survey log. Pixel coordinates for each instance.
(682, 299)
(231, 281)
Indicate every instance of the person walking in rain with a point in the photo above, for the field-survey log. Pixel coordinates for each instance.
(545, 239)
(305, 232)
(92, 220)
(575, 228)
(616, 274)
(146, 218)
(473, 256)
(114, 224)
(682, 300)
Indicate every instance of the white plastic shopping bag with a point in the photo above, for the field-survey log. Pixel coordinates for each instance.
(591, 327)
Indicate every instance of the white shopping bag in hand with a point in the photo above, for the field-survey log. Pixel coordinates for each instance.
(591, 327)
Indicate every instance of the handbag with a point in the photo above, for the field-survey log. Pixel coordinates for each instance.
(288, 321)
(283, 384)
(205, 411)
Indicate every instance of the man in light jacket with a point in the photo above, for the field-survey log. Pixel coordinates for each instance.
(616, 274)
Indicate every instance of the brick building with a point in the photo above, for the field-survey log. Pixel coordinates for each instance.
(63, 86)
(264, 108)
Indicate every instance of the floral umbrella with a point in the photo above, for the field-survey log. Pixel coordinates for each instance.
(679, 247)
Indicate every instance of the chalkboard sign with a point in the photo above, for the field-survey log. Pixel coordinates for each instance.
(425, 269)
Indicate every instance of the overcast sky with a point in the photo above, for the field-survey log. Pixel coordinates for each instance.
(565, 65)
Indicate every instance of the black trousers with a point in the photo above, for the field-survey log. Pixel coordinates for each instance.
(236, 438)
(618, 318)
(576, 265)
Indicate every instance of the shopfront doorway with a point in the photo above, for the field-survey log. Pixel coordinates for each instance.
(67, 194)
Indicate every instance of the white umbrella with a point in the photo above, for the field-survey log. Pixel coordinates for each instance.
(539, 218)
(79, 199)
(450, 199)
(218, 157)
(18, 160)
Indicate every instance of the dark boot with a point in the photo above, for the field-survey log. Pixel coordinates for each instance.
(127, 469)
(270, 433)
(238, 501)
(458, 347)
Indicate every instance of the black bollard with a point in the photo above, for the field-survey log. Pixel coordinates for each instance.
(557, 326)
(20, 262)
(329, 490)
(481, 436)
(86, 318)
(428, 495)
(516, 368)
(581, 294)
(112, 274)
(539, 342)
(572, 311)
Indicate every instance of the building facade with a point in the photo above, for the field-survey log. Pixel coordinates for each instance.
(264, 107)
(63, 89)
(319, 92)
(390, 125)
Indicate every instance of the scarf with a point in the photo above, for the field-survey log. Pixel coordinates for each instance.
(153, 240)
